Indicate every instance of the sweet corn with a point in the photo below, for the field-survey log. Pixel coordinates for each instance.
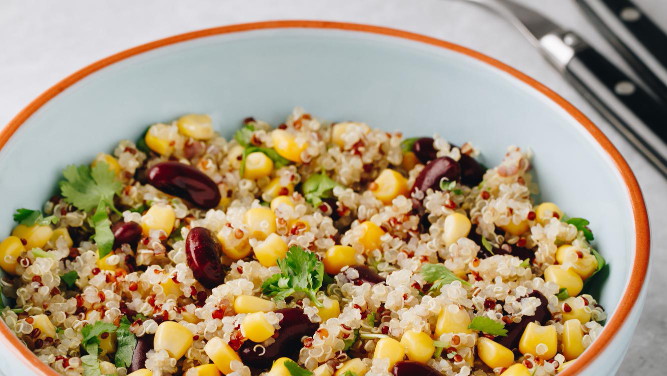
(457, 226)
(516, 370)
(256, 327)
(391, 349)
(221, 354)
(572, 340)
(203, 370)
(516, 229)
(539, 341)
(108, 344)
(338, 257)
(171, 289)
(141, 372)
(35, 236)
(389, 185)
(286, 145)
(564, 366)
(275, 189)
(111, 162)
(370, 236)
(173, 337)
(269, 251)
(252, 304)
(158, 217)
(339, 130)
(494, 354)
(60, 233)
(410, 160)
(235, 157)
(257, 166)
(199, 127)
(547, 210)
(278, 368)
(46, 328)
(190, 317)
(323, 370)
(452, 319)
(103, 263)
(577, 310)
(161, 139)
(418, 346)
(280, 201)
(564, 277)
(233, 248)
(10, 249)
(354, 365)
(585, 266)
(330, 308)
(260, 222)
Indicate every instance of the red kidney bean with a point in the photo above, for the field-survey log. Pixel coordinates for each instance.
(505, 249)
(186, 182)
(515, 330)
(433, 173)
(126, 233)
(203, 255)
(424, 149)
(293, 327)
(367, 274)
(412, 368)
(144, 345)
(472, 172)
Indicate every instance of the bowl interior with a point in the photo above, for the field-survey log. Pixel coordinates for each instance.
(338, 75)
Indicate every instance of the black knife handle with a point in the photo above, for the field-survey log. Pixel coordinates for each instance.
(635, 36)
(626, 105)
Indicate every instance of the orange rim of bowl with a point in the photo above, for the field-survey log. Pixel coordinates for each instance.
(642, 238)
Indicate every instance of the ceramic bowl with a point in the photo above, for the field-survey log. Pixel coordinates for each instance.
(387, 78)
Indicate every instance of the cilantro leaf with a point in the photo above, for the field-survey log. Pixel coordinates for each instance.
(439, 275)
(488, 326)
(439, 347)
(38, 252)
(295, 370)
(91, 365)
(103, 237)
(92, 331)
(85, 187)
(487, 245)
(317, 187)
(350, 341)
(562, 294)
(243, 135)
(300, 271)
(278, 161)
(525, 263)
(598, 257)
(408, 143)
(349, 373)
(141, 142)
(126, 342)
(582, 225)
(446, 185)
(29, 217)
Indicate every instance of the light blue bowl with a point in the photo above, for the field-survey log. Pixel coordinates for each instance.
(386, 78)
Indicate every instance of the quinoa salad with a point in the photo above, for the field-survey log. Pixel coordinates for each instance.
(304, 248)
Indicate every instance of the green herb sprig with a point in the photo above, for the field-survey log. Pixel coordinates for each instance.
(300, 272)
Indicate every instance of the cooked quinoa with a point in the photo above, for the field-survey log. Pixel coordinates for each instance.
(347, 249)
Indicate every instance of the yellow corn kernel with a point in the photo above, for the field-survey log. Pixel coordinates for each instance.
(171, 289)
(252, 304)
(103, 263)
(577, 310)
(418, 346)
(391, 349)
(494, 354)
(389, 185)
(160, 138)
(203, 370)
(354, 365)
(539, 341)
(199, 127)
(269, 251)
(564, 277)
(111, 162)
(256, 327)
(323, 370)
(516, 229)
(35, 236)
(338, 132)
(190, 317)
(141, 372)
(233, 248)
(338, 257)
(564, 366)
(286, 145)
(235, 157)
(457, 226)
(61, 233)
(10, 249)
(572, 340)
(260, 222)
(516, 370)
(584, 264)
(221, 354)
(547, 210)
(280, 201)
(173, 337)
(257, 166)
(108, 344)
(452, 319)
(275, 189)
(46, 328)
(410, 160)
(330, 308)
(278, 368)
(370, 236)
(158, 217)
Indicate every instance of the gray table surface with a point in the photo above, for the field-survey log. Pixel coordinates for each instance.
(42, 41)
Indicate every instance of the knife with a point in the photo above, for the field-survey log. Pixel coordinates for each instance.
(635, 113)
(635, 36)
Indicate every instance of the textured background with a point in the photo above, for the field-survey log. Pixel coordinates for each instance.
(42, 41)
